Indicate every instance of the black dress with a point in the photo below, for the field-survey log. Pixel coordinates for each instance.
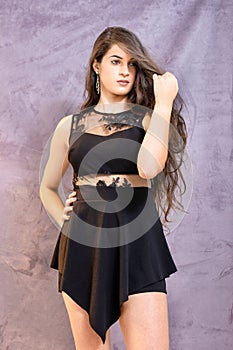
(113, 244)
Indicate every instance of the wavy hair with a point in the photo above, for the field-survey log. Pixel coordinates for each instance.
(142, 93)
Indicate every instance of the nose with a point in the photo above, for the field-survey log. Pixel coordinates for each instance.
(124, 70)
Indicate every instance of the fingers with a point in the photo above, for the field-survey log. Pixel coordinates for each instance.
(72, 194)
(67, 209)
(68, 205)
(65, 217)
(70, 200)
(169, 75)
(166, 74)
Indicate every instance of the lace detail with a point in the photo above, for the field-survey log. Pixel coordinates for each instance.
(107, 164)
(115, 183)
(94, 122)
(115, 180)
(118, 121)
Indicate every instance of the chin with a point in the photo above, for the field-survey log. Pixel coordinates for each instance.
(122, 92)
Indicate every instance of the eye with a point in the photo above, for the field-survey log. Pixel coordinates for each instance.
(132, 64)
(115, 61)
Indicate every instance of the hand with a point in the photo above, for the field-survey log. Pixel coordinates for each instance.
(68, 206)
(165, 89)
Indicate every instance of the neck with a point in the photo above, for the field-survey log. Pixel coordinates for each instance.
(112, 104)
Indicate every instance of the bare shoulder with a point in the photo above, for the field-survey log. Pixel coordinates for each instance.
(63, 128)
(146, 121)
(65, 122)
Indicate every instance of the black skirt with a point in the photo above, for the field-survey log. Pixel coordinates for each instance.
(108, 250)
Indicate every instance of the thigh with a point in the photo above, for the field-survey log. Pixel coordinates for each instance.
(85, 337)
(144, 321)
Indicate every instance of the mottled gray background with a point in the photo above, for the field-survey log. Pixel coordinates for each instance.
(45, 46)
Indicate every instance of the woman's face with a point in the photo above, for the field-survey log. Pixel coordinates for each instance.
(117, 72)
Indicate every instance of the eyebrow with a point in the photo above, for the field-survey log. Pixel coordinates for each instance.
(131, 59)
(116, 56)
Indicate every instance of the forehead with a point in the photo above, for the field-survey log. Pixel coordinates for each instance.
(117, 50)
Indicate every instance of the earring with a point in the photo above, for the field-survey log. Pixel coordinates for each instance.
(97, 83)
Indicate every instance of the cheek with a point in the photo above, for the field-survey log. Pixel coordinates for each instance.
(108, 75)
(134, 73)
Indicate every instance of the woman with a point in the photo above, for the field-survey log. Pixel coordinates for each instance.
(128, 110)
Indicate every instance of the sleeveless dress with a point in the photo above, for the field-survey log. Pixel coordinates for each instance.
(113, 244)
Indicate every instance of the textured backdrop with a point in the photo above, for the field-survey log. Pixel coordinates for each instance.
(44, 47)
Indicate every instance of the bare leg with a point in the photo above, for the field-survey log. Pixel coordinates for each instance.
(144, 321)
(85, 337)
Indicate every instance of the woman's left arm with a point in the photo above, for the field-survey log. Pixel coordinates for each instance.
(153, 152)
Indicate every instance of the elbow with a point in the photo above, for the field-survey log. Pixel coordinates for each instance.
(150, 166)
(150, 174)
(45, 187)
(141, 173)
(41, 192)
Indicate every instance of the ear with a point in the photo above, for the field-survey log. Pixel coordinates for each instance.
(95, 65)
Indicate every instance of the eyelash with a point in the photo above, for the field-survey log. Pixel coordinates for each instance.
(119, 62)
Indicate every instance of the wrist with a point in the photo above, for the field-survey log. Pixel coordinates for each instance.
(163, 110)
(163, 106)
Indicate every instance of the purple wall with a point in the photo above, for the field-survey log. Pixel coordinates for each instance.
(45, 46)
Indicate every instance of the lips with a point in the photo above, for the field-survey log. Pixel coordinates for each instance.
(123, 82)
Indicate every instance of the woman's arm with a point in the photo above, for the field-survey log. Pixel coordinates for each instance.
(55, 169)
(153, 152)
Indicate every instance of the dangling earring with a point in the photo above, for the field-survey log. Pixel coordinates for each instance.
(97, 83)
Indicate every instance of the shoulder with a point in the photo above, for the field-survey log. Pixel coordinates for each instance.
(144, 113)
(64, 122)
(146, 121)
(63, 127)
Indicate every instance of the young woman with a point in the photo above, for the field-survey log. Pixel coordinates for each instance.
(111, 253)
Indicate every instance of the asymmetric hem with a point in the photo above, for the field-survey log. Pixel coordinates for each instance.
(107, 251)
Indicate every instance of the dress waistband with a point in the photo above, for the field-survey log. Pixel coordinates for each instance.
(112, 180)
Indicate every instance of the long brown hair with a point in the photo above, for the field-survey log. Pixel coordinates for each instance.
(142, 93)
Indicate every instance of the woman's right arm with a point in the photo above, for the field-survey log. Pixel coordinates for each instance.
(55, 169)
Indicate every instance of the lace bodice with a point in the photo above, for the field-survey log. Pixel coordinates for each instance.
(103, 147)
(103, 124)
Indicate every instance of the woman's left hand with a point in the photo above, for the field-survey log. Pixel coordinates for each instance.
(165, 89)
